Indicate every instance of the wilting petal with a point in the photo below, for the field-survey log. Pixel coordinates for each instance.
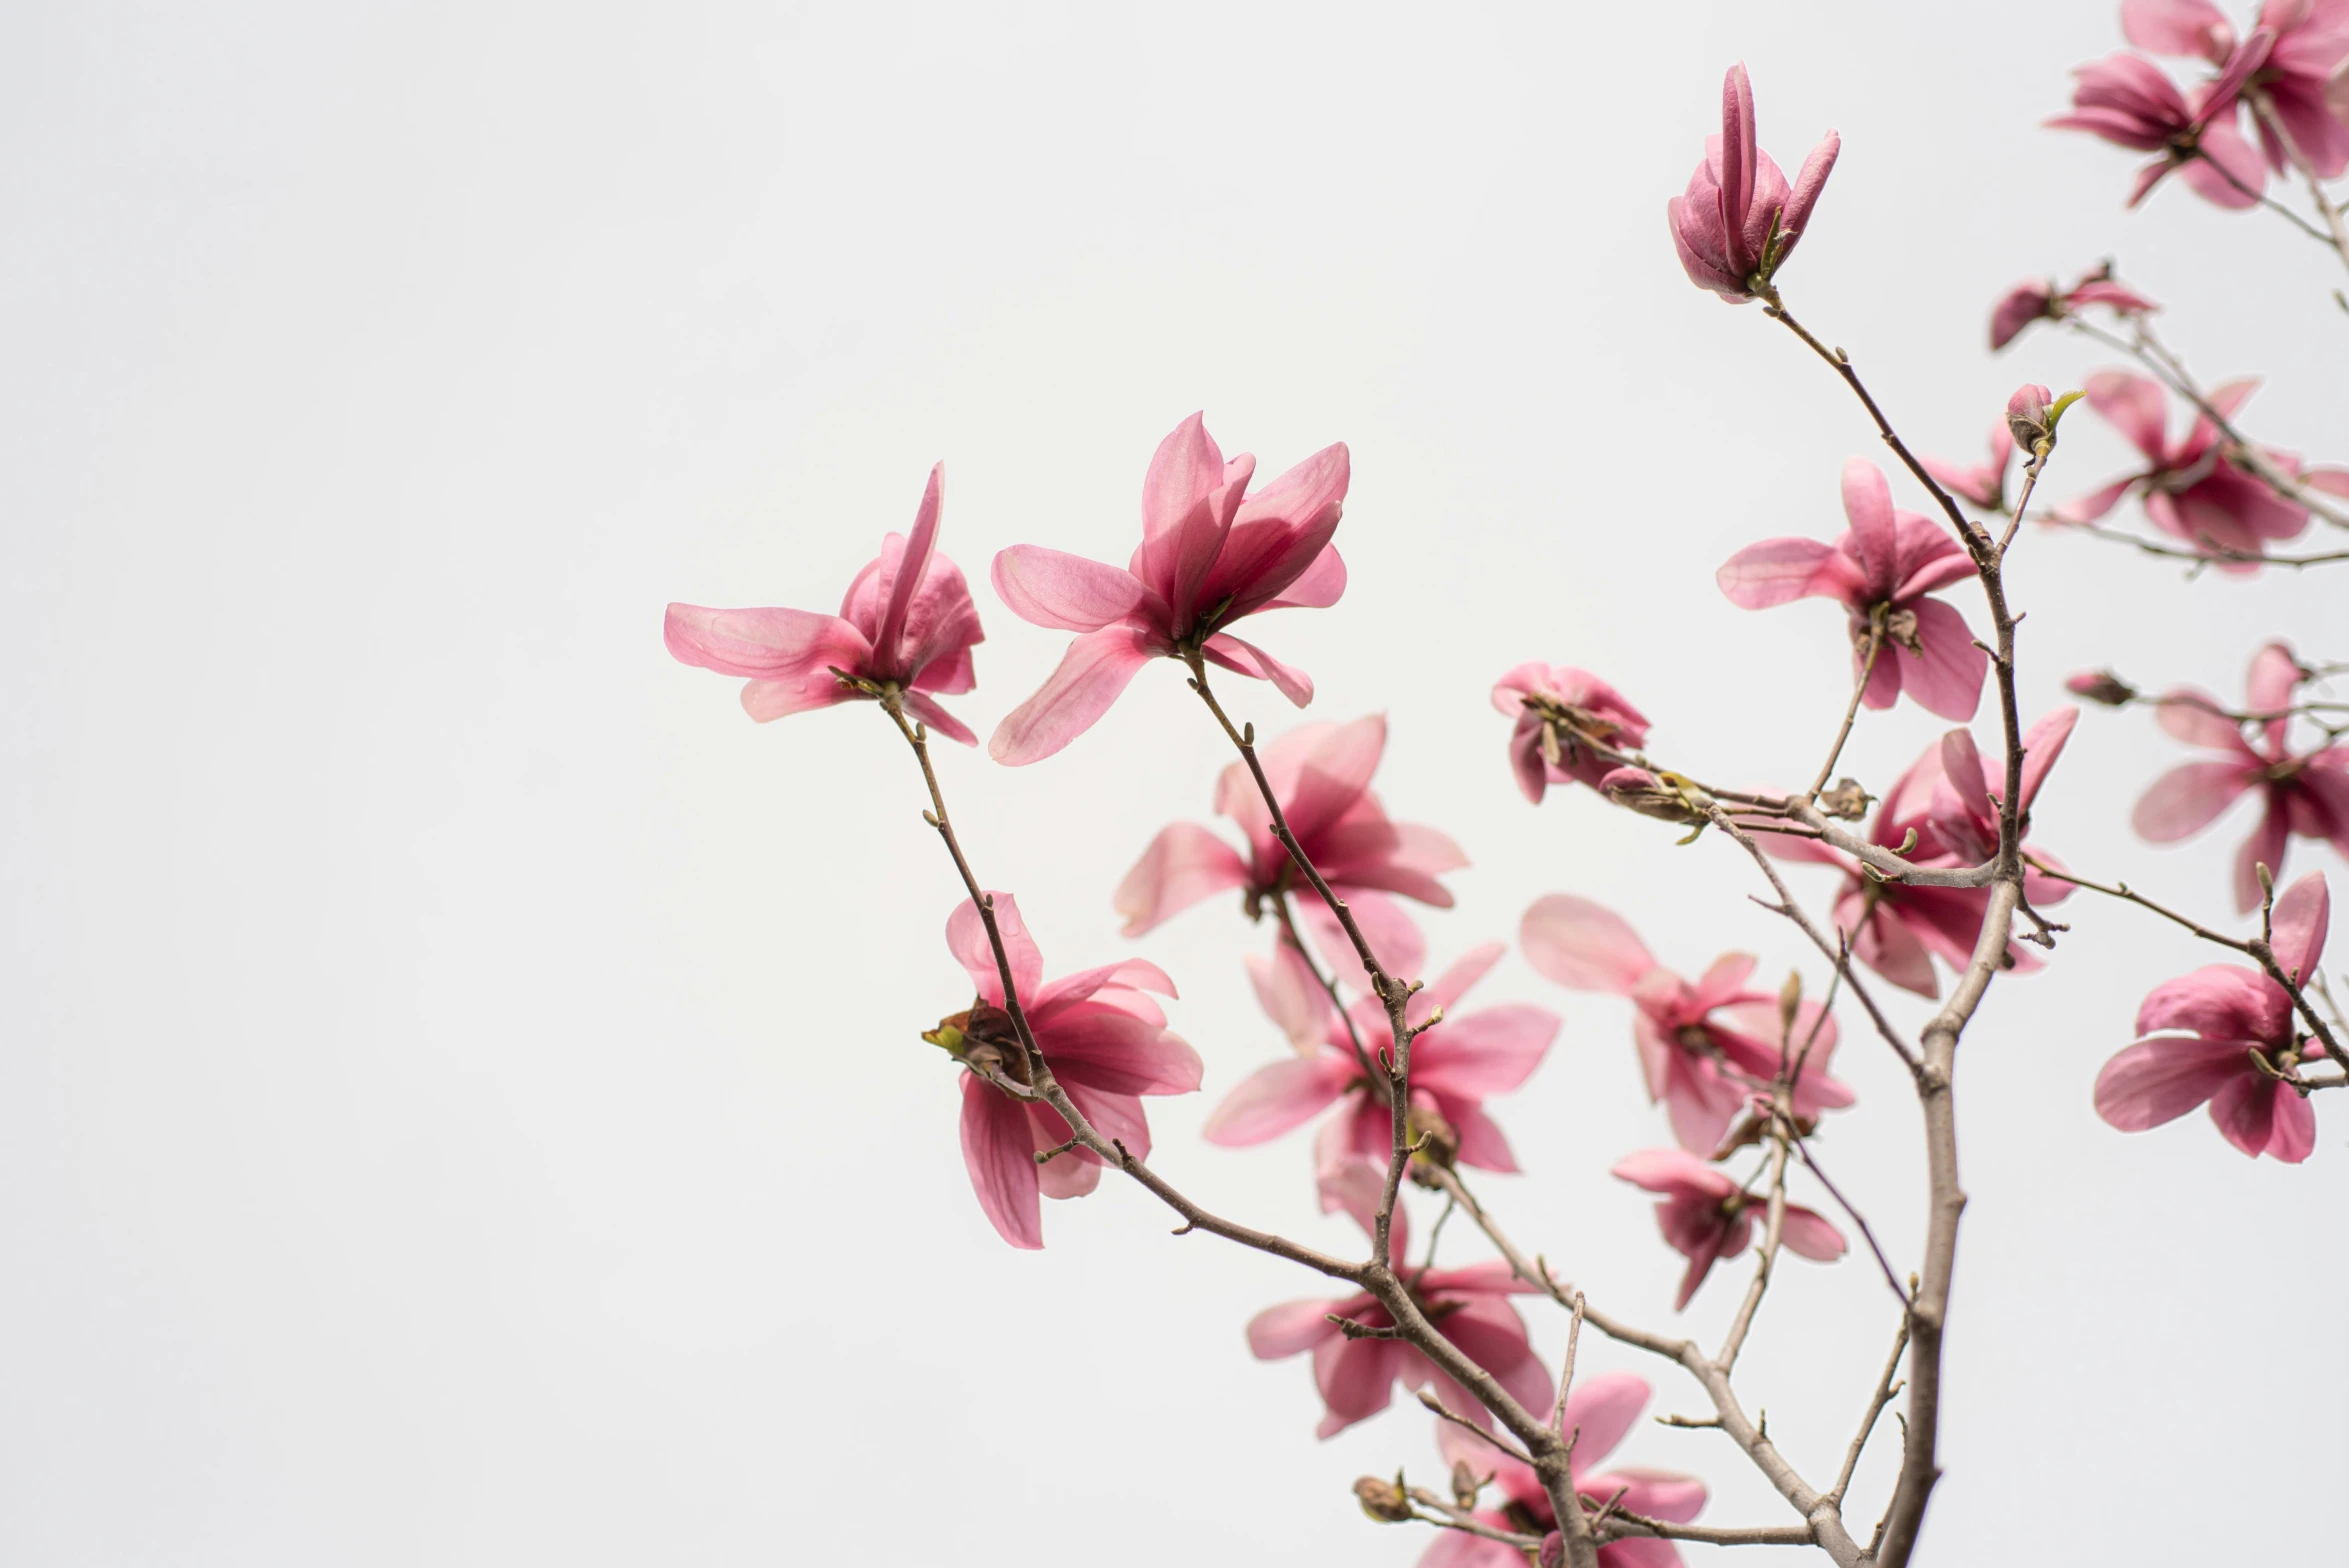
(2187, 799)
(1318, 587)
(1275, 1098)
(1096, 669)
(1945, 674)
(966, 938)
(1001, 1157)
(1184, 864)
(1652, 1494)
(1053, 588)
(1583, 946)
(1780, 571)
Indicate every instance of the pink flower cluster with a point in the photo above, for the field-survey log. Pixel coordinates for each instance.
(2287, 74)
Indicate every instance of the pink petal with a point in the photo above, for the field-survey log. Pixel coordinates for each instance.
(1393, 936)
(1639, 1551)
(1053, 588)
(1275, 1098)
(1354, 1186)
(1945, 675)
(1318, 587)
(1292, 998)
(912, 564)
(2265, 847)
(1961, 764)
(1809, 1234)
(1070, 1175)
(1186, 466)
(788, 647)
(2043, 743)
(2161, 1079)
(2135, 406)
(2178, 27)
(1184, 864)
(2187, 799)
(1736, 165)
(2198, 719)
(1244, 658)
(1809, 181)
(935, 719)
(1357, 1379)
(1482, 1143)
(1096, 669)
(2244, 1109)
(966, 939)
(1001, 1157)
(1490, 1051)
(1119, 1054)
(2230, 172)
(1279, 1332)
(1116, 1117)
(1652, 1494)
(1582, 946)
(2275, 674)
(1603, 1410)
(1454, 983)
(1674, 1172)
(2301, 916)
(1780, 571)
(1332, 776)
(1875, 544)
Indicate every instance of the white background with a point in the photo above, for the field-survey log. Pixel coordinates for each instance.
(460, 1094)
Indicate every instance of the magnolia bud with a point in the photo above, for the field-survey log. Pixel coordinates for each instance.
(1790, 1001)
(1846, 801)
(2027, 415)
(1553, 1550)
(1466, 1483)
(1385, 1501)
(2102, 686)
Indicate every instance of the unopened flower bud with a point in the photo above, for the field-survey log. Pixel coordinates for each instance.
(1466, 1483)
(2102, 686)
(1385, 1501)
(1553, 1553)
(2027, 415)
(1790, 1001)
(1438, 1139)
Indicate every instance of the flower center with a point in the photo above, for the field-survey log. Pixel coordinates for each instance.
(985, 1039)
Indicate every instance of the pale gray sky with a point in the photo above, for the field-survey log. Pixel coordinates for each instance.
(462, 1100)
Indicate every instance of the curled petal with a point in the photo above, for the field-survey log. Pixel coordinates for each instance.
(1244, 658)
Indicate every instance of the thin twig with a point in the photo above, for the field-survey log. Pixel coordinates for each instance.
(1887, 1385)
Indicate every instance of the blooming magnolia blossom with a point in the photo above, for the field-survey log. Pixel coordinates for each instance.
(1210, 554)
(2306, 795)
(1705, 1048)
(1707, 1217)
(1320, 773)
(1946, 798)
(2127, 101)
(1560, 711)
(907, 623)
(1881, 569)
(1739, 221)
(1456, 1065)
(2203, 1030)
(1984, 485)
(1358, 1377)
(1600, 1413)
(2043, 301)
(1104, 1040)
(2192, 489)
(2309, 44)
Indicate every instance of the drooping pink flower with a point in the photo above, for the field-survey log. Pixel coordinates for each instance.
(1739, 220)
(1320, 773)
(1947, 799)
(1456, 1065)
(1358, 1377)
(2043, 301)
(2192, 490)
(1707, 1217)
(2309, 43)
(1104, 1040)
(2127, 101)
(1886, 563)
(1985, 485)
(1210, 554)
(1559, 710)
(1704, 1048)
(2307, 794)
(907, 622)
(2202, 1030)
(1600, 1413)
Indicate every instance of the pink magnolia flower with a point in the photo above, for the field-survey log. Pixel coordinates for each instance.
(2191, 488)
(2306, 794)
(1558, 710)
(907, 622)
(1358, 1377)
(2127, 101)
(1105, 1041)
(1739, 221)
(1320, 773)
(2203, 1030)
(1210, 554)
(1704, 1049)
(2309, 43)
(1886, 563)
(1600, 1413)
(1983, 486)
(1706, 1217)
(1947, 798)
(1456, 1065)
(2036, 301)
